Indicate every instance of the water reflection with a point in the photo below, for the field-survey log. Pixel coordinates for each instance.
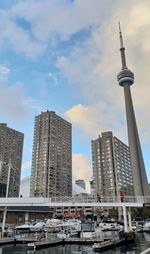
(67, 249)
(147, 237)
(75, 249)
(19, 249)
(143, 241)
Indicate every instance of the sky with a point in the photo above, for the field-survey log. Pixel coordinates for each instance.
(63, 55)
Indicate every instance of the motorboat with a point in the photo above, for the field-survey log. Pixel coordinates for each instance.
(69, 228)
(110, 225)
(31, 227)
(53, 225)
(146, 226)
(88, 229)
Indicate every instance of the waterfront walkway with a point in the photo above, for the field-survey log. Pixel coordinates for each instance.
(129, 201)
(89, 201)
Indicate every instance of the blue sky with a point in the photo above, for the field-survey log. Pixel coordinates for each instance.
(63, 55)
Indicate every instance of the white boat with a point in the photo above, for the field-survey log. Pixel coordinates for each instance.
(36, 227)
(69, 228)
(109, 225)
(88, 229)
(146, 226)
(53, 225)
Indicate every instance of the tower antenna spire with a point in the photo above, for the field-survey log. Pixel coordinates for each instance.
(126, 79)
(122, 49)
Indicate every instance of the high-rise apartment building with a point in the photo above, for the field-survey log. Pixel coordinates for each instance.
(11, 148)
(51, 173)
(80, 183)
(112, 171)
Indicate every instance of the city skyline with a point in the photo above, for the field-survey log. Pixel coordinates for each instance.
(69, 65)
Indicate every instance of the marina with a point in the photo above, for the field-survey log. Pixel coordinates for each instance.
(94, 237)
(142, 244)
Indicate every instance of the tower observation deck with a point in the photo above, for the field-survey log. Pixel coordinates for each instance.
(126, 79)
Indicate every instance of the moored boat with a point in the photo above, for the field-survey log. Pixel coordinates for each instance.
(28, 227)
(146, 226)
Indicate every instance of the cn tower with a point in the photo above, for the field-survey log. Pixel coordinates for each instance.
(126, 79)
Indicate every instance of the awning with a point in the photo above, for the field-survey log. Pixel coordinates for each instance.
(71, 215)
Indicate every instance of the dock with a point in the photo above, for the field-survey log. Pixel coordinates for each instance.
(97, 243)
(5, 241)
(112, 243)
(88, 241)
(109, 244)
(44, 244)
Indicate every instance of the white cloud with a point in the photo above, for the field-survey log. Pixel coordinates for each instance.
(15, 104)
(54, 78)
(11, 104)
(17, 37)
(96, 118)
(32, 26)
(62, 18)
(82, 168)
(4, 72)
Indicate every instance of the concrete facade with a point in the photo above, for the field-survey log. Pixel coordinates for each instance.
(51, 173)
(112, 170)
(126, 79)
(11, 148)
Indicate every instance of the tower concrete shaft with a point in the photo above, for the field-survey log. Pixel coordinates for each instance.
(125, 79)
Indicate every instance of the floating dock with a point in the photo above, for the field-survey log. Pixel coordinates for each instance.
(98, 244)
(4, 241)
(109, 244)
(44, 244)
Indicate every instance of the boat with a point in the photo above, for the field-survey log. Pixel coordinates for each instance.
(53, 225)
(88, 229)
(31, 227)
(146, 226)
(110, 225)
(69, 228)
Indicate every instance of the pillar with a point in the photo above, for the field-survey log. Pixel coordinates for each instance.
(26, 217)
(129, 219)
(125, 219)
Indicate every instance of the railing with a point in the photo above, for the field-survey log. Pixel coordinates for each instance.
(73, 200)
(110, 199)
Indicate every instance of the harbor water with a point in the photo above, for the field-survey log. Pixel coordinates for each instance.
(142, 243)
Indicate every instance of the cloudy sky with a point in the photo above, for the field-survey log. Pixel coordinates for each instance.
(63, 55)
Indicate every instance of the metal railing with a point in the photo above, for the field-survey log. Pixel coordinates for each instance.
(106, 199)
(73, 200)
